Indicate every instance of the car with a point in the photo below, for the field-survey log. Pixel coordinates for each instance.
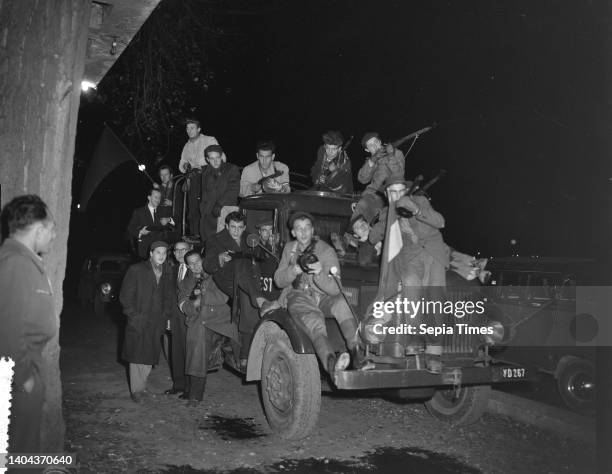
(100, 279)
(535, 297)
(283, 361)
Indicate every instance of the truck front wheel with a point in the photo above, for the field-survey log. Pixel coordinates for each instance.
(462, 406)
(290, 388)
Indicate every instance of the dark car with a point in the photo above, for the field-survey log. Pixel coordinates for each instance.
(536, 298)
(283, 360)
(101, 278)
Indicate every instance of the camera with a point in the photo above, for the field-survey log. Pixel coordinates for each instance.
(307, 257)
(197, 289)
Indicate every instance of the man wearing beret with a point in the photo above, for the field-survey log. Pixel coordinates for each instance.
(332, 171)
(423, 259)
(220, 187)
(193, 158)
(384, 161)
(146, 297)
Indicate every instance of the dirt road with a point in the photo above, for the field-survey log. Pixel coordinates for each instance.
(228, 431)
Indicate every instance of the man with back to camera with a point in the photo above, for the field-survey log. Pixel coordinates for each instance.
(193, 158)
(384, 161)
(332, 170)
(28, 314)
(253, 179)
(146, 297)
(220, 187)
(316, 294)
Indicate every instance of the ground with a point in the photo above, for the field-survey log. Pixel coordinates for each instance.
(228, 431)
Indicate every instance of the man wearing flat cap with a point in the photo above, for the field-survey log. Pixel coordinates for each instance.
(193, 158)
(146, 297)
(423, 258)
(384, 161)
(332, 171)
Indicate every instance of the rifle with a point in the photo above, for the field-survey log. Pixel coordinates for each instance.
(324, 173)
(262, 181)
(416, 134)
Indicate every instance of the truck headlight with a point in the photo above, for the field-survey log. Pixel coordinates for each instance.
(497, 333)
(106, 288)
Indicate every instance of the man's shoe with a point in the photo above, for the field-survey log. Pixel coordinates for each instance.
(342, 361)
(268, 306)
(173, 391)
(184, 396)
(434, 363)
(137, 397)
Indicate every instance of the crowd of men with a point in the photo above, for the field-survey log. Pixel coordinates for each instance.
(212, 297)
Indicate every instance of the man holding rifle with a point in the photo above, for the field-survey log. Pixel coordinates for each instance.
(384, 161)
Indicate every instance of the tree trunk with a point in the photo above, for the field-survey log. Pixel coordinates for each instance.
(42, 55)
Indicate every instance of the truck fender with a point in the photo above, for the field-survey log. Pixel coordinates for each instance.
(266, 331)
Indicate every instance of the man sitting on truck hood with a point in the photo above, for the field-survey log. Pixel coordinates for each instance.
(306, 264)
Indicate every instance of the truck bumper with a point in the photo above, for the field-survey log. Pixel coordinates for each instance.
(406, 378)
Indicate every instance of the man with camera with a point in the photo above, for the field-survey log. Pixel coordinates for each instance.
(332, 170)
(306, 266)
(193, 160)
(208, 321)
(384, 161)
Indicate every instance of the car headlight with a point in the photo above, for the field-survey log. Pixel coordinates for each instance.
(106, 288)
(497, 333)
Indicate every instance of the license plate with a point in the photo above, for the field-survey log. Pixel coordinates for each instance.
(514, 373)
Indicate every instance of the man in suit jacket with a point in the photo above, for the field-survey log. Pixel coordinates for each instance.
(220, 187)
(144, 223)
(178, 330)
(146, 297)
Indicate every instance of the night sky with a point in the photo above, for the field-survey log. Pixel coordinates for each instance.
(520, 91)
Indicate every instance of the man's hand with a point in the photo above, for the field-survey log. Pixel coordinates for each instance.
(224, 257)
(273, 184)
(164, 220)
(315, 268)
(143, 231)
(255, 187)
(167, 202)
(28, 385)
(362, 230)
(409, 204)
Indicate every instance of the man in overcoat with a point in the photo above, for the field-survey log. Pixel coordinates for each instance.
(146, 297)
(208, 320)
(220, 187)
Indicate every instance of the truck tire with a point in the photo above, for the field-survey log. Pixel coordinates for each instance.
(290, 388)
(459, 407)
(576, 384)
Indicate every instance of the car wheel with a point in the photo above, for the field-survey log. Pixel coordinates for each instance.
(463, 406)
(290, 389)
(576, 384)
(99, 307)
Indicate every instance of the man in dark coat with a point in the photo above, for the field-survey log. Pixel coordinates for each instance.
(146, 296)
(146, 224)
(178, 329)
(220, 187)
(27, 317)
(223, 250)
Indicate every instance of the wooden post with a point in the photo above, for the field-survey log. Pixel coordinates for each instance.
(42, 55)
